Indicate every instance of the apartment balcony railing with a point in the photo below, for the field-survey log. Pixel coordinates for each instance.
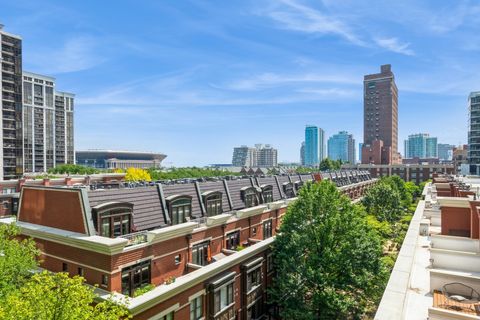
(135, 238)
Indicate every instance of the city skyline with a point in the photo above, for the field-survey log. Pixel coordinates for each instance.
(168, 87)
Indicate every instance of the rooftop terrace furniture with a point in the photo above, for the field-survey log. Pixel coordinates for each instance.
(459, 296)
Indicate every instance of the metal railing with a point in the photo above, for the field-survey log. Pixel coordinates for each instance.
(135, 238)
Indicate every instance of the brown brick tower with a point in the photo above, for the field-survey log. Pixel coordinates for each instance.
(380, 120)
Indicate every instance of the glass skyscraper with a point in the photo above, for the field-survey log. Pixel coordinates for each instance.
(311, 145)
(341, 146)
(421, 145)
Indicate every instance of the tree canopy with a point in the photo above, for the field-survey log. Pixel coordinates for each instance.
(329, 164)
(327, 257)
(44, 296)
(72, 169)
(189, 172)
(137, 174)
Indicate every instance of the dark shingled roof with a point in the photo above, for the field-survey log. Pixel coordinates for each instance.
(216, 186)
(147, 210)
(234, 186)
(270, 180)
(185, 189)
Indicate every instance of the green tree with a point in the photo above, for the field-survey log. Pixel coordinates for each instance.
(72, 169)
(384, 202)
(43, 296)
(57, 296)
(326, 164)
(327, 258)
(17, 259)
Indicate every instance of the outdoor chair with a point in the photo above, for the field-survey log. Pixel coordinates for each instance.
(460, 296)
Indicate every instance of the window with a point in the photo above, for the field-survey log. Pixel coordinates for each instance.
(267, 229)
(298, 185)
(115, 222)
(233, 240)
(135, 277)
(270, 263)
(254, 279)
(178, 259)
(288, 190)
(104, 280)
(180, 210)
(201, 253)
(267, 192)
(81, 272)
(223, 297)
(196, 308)
(250, 197)
(213, 203)
(254, 231)
(64, 267)
(168, 316)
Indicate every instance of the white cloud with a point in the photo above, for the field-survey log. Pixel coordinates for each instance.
(76, 54)
(295, 16)
(394, 45)
(271, 80)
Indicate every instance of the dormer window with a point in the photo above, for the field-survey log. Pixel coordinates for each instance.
(113, 219)
(213, 203)
(288, 190)
(180, 208)
(298, 185)
(250, 198)
(267, 192)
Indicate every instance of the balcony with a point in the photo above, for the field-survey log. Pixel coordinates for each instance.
(226, 314)
(135, 238)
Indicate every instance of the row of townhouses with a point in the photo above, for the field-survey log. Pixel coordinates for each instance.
(204, 245)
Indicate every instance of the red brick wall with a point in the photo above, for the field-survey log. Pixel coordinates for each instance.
(64, 209)
(456, 221)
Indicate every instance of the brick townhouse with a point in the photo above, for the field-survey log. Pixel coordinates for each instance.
(204, 245)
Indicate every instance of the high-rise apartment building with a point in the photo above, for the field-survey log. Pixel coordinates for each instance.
(11, 157)
(322, 148)
(474, 132)
(341, 146)
(302, 154)
(260, 156)
(421, 145)
(244, 156)
(311, 146)
(445, 151)
(380, 122)
(47, 124)
(266, 156)
(431, 147)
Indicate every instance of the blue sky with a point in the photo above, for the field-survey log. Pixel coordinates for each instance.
(193, 79)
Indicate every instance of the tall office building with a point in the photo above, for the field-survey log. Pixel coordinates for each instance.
(360, 145)
(322, 147)
(341, 146)
(421, 145)
(380, 122)
(431, 147)
(445, 151)
(302, 154)
(311, 146)
(48, 124)
(11, 157)
(474, 132)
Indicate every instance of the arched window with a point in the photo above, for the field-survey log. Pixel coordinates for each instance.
(180, 208)
(267, 191)
(113, 219)
(249, 196)
(213, 203)
(288, 189)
